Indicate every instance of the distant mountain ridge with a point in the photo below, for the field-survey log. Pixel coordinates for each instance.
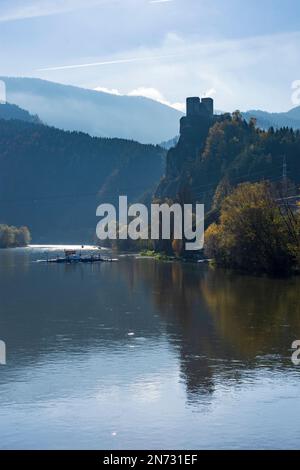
(106, 115)
(96, 113)
(265, 120)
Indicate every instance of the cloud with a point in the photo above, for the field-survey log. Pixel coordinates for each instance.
(179, 106)
(151, 93)
(111, 91)
(210, 93)
(161, 1)
(156, 95)
(238, 73)
(12, 10)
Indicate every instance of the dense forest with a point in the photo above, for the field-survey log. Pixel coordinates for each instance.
(52, 180)
(234, 151)
(248, 179)
(12, 237)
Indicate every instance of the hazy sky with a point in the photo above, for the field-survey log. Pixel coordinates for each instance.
(243, 53)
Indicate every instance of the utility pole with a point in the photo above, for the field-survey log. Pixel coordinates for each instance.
(284, 176)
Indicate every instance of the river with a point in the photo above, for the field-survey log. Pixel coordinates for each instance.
(142, 354)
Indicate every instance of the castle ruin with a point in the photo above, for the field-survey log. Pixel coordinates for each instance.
(199, 117)
(194, 129)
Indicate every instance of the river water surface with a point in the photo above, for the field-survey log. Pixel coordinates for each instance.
(145, 354)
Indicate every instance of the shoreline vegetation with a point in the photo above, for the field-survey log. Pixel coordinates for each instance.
(14, 237)
(257, 232)
(157, 255)
(248, 179)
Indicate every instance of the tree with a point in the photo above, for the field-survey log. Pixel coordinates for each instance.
(6, 236)
(11, 237)
(223, 190)
(254, 234)
(22, 236)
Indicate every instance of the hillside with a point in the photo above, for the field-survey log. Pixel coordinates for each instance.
(96, 113)
(232, 151)
(52, 180)
(11, 111)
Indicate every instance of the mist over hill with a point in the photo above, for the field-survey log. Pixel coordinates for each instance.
(106, 115)
(96, 113)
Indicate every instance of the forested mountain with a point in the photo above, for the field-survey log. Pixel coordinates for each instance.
(52, 180)
(234, 151)
(12, 111)
(94, 112)
(266, 120)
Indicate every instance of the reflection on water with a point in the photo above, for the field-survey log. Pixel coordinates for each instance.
(223, 324)
(143, 354)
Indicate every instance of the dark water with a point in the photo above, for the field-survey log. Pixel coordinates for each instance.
(142, 354)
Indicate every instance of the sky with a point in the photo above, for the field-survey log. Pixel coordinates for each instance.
(245, 55)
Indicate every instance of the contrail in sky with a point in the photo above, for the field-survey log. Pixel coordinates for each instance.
(160, 1)
(107, 62)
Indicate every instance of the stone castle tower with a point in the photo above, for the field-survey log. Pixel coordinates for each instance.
(194, 129)
(199, 117)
